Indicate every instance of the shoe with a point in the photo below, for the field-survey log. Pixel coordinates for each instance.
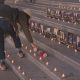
(21, 54)
(3, 66)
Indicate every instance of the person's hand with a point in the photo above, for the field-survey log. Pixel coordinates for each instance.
(34, 46)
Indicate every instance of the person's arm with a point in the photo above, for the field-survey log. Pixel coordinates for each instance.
(29, 37)
(27, 33)
(24, 22)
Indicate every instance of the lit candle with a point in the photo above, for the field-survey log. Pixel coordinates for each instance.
(44, 36)
(75, 50)
(58, 19)
(68, 22)
(51, 39)
(40, 58)
(19, 67)
(8, 55)
(5, 51)
(34, 54)
(55, 69)
(33, 31)
(63, 20)
(30, 51)
(12, 61)
(68, 46)
(30, 79)
(75, 23)
(22, 45)
(63, 75)
(47, 63)
(23, 73)
(59, 42)
(26, 47)
(40, 33)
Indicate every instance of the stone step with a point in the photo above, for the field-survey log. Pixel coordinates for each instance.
(60, 51)
(8, 75)
(33, 70)
(62, 66)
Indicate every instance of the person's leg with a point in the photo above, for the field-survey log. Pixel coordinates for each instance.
(2, 53)
(17, 41)
(8, 28)
(16, 38)
(3, 28)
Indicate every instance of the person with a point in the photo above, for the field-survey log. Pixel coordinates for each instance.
(9, 18)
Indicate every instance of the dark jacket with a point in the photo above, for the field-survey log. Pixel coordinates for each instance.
(16, 16)
(2, 1)
(8, 13)
(23, 20)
